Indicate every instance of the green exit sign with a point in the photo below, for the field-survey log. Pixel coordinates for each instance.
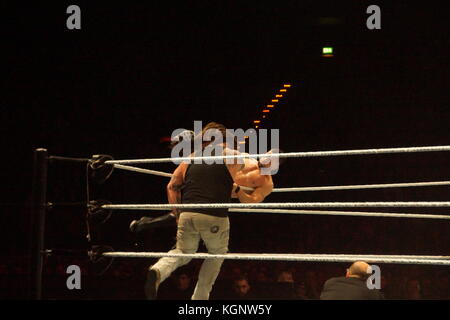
(327, 50)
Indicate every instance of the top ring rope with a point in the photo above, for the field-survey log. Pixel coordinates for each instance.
(365, 186)
(142, 170)
(291, 154)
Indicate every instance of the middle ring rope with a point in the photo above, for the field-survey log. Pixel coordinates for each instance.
(303, 189)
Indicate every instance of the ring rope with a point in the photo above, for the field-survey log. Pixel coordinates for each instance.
(290, 154)
(435, 260)
(345, 213)
(401, 256)
(277, 205)
(302, 189)
(364, 186)
(142, 170)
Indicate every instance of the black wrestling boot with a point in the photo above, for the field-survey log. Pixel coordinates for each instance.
(147, 223)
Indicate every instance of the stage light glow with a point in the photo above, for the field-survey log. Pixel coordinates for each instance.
(327, 52)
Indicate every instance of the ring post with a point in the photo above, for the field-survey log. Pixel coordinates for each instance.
(38, 212)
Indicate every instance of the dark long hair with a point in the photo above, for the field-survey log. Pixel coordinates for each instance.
(213, 126)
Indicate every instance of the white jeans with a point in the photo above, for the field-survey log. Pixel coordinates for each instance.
(192, 226)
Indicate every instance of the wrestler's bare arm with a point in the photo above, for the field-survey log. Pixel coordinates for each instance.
(173, 187)
(258, 195)
(233, 165)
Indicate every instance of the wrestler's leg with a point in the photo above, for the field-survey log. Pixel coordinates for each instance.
(215, 233)
(148, 223)
(187, 242)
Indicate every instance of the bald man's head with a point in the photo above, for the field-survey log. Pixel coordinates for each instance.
(359, 269)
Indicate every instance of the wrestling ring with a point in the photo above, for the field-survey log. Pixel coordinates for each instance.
(101, 167)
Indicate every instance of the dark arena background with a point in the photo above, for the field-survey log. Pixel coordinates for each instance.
(136, 71)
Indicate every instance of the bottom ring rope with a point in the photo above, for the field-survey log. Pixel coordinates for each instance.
(396, 259)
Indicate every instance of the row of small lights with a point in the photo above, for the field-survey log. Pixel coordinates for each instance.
(327, 52)
(272, 104)
(268, 107)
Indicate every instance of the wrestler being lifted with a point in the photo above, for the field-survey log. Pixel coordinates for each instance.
(252, 184)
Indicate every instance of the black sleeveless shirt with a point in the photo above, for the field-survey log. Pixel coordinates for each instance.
(207, 183)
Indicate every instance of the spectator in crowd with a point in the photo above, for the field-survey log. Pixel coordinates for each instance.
(300, 291)
(284, 288)
(285, 276)
(444, 285)
(181, 289)
(386, 287)
(241, 289)
(262, 277)
(413, 290)
(351, 287)
(312, 285)
(428, 289)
